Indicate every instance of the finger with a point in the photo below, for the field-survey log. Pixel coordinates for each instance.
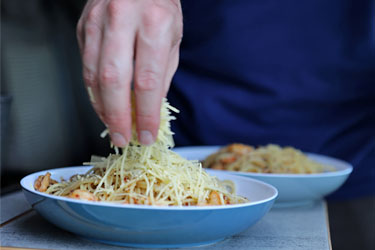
(171, 69)
(92, 30)
(152, 54)
(115, 72)
(81, 22)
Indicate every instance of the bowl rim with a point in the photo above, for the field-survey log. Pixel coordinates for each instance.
(146, 207)
(348, 167)
(343, 172)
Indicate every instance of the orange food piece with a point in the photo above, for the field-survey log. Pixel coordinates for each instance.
(83, 195)
(214, 199)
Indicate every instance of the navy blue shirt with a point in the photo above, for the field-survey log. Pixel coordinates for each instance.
(297, 73)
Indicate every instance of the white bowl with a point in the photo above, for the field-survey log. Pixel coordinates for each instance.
(294, 189)
(151, 226)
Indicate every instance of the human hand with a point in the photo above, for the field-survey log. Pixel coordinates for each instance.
(125, 40)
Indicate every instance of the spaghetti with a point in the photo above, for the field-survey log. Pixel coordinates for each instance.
(264, 159)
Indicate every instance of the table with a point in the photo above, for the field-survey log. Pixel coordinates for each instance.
(282, 228)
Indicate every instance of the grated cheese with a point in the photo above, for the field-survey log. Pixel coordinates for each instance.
(150, 175)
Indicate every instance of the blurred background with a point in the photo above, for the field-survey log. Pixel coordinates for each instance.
(44, 105)
(48, 122)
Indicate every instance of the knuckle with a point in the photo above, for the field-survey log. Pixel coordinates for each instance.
(150, 121)
(114, 119)
(109, 76)
(115, 8)
(177, 40)
(91, 30)
(89, 78)
(93, 15)
(155, 16)
(147, 80)
(179, 28)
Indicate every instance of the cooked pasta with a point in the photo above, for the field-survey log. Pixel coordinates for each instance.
(264, 159)
(149, 175)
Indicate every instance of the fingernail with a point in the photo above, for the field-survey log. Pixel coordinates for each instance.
(118, 140)
(145, 137)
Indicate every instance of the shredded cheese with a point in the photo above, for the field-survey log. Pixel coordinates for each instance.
(150, 175)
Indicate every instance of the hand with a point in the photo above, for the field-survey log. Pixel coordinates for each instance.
(125, 40)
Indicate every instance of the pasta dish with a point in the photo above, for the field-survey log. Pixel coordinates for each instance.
(148, 175)
(264, 159)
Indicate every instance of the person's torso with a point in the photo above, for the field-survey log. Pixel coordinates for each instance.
(290, 72)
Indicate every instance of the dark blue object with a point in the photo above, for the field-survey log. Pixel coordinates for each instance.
(299, 73)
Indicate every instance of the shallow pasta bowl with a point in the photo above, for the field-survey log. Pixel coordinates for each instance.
(294, 189)
(151, 226)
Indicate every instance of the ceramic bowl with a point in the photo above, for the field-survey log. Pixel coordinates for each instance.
(151, 226)
(294, 189)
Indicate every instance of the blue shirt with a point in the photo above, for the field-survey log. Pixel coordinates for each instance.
(297, 73)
